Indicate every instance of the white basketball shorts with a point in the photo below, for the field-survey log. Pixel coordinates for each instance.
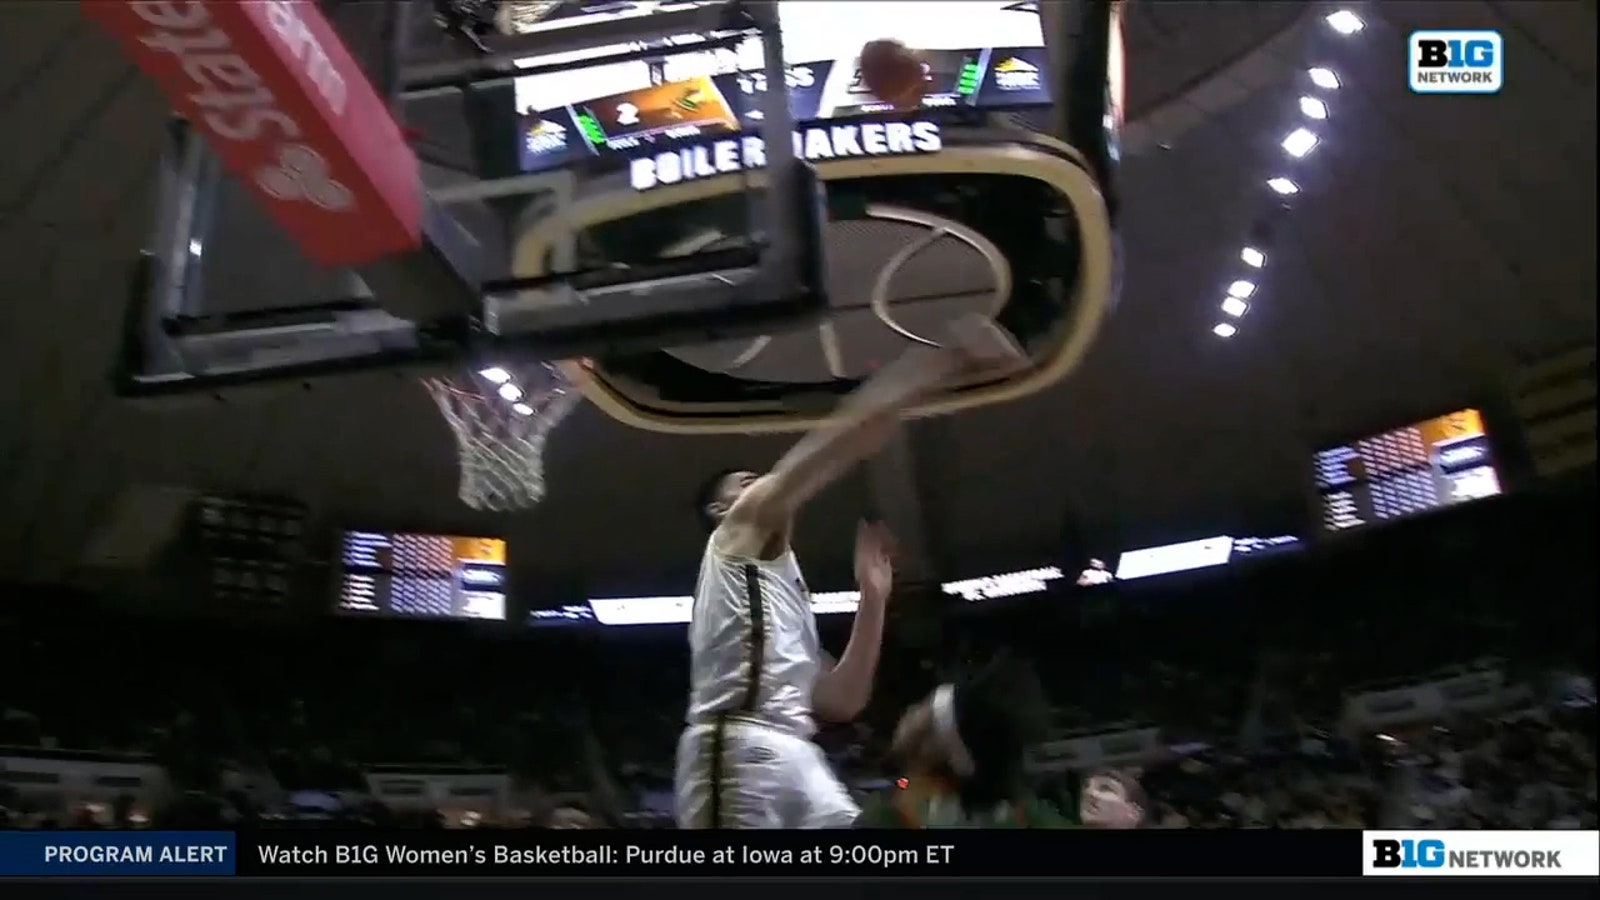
(752, 776)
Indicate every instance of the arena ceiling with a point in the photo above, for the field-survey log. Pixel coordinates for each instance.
(1433, 239)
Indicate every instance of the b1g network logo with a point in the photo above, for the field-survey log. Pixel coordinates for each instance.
(1456, 853)
(1457, 62)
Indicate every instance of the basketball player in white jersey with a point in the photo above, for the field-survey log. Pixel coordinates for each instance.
(758, 674)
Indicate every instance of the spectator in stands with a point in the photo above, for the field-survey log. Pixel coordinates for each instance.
(1095, 573)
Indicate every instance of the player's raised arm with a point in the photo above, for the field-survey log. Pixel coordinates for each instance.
(869, 417)
(843, 689)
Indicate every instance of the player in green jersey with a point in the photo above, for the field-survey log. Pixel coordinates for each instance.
(964, 747)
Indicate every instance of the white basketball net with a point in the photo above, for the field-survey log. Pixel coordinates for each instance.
(501, 416)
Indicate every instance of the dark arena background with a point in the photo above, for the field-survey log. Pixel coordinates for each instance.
(365, 359)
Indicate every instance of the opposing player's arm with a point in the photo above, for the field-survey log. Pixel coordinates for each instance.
(869, 418)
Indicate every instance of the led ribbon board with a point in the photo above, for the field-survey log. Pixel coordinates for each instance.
(730, 155)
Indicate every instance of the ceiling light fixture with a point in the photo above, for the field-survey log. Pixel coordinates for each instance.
(1324, 78)
(1312, 108)
(1345, 22)
(1252, 257)
(1300, 142)
(495, 375)
(1283, 186)
(1235, 307)
(1224, 330)
(1242, 289)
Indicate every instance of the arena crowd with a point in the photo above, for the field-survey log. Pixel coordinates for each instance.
(1433, 673)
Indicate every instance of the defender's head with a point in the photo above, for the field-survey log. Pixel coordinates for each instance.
(1111, 799)
(976, 731)
(718, 493)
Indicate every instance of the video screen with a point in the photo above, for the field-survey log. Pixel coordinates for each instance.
(978, 53)
(1438, 462)
(424, 576)
(680, 109)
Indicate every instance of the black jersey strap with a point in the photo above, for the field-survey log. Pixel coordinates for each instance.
(721, 773)
(757, 638)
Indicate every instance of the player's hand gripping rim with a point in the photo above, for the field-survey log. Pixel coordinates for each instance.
(984, 349)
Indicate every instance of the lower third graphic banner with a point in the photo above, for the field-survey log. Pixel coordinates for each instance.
(954, 853)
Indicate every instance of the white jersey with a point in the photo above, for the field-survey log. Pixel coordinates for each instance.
(754, 652)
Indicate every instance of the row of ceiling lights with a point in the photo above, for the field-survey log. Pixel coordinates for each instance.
(1296, 145)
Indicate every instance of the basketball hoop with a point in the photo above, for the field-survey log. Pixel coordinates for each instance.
(501, 416)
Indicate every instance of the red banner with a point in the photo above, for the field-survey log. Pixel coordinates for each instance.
(289, 112)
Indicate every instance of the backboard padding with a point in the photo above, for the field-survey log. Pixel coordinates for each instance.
(248, 264)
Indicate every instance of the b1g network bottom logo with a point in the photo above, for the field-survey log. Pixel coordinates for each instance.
(1457, 853)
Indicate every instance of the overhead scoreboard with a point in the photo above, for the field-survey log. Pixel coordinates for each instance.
(709, 105)
(428, 576)
(250, 546)
(978, 55)
(1430, 464)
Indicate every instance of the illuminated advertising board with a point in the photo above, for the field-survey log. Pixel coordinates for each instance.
(1182, 557)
